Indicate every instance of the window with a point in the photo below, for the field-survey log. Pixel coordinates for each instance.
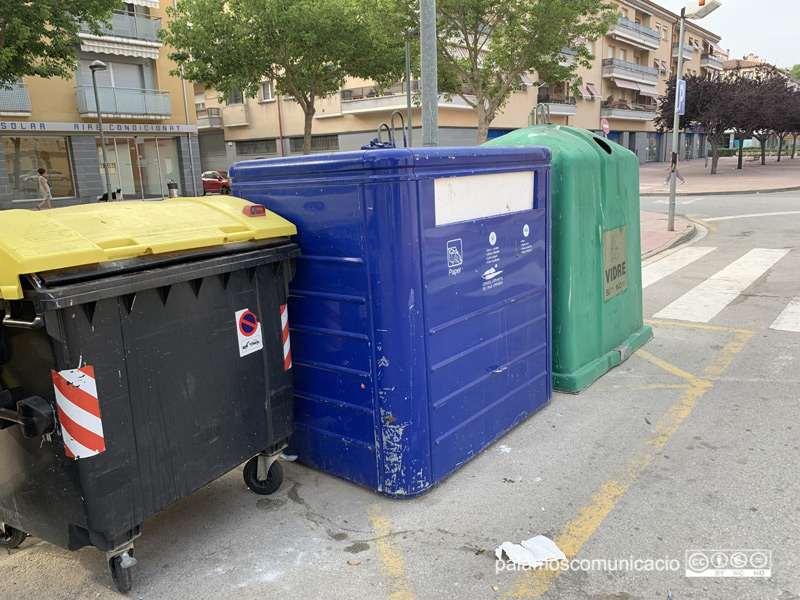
(590, 46)
(267, 91)
(622, 54)
(611, 51)
(24, 155)
(664, 33)
(319, 143)
(235, 97)
(262, 147)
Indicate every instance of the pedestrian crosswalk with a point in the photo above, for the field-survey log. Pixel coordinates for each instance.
(711, 296)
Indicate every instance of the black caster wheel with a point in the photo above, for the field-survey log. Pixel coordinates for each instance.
(267, 486)
(121, 575)
(224, 190)
(11, 538)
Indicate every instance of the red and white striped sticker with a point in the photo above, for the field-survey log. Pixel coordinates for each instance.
(287, 348)
(79, 412)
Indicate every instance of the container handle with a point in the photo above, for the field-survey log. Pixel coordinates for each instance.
(540, 115)
(36, 323)
(34, 414)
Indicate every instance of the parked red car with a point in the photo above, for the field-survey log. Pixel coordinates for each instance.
(216, 182)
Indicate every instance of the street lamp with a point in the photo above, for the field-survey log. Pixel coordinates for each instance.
(100, 66)
(696, 10)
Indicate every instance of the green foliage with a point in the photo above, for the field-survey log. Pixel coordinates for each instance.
(39, 38)
(485, 45)
(307, 47)
(795, 71)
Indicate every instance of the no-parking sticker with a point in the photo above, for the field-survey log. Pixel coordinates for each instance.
(248, 331)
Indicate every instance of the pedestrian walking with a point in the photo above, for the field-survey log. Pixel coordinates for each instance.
(45, 191)
(677, 170)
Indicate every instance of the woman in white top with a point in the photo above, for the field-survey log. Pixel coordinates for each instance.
(44, 190)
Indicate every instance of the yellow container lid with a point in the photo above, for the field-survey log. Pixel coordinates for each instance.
(37, 241)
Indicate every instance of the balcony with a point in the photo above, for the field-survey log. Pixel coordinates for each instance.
(209, 118)
(710, 61)
(559, 105)
(128, 35)
(15, 102)
(613, 67)
(567, 57)
(629, 111)
(235, 115)
(688, 51)
(636, 35)
(124, 103)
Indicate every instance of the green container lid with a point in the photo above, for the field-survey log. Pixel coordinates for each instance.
(596, 252)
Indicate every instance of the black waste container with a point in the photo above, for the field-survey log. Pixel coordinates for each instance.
(143, 353)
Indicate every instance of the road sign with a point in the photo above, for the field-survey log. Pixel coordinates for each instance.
(604, 125)
(681, 97)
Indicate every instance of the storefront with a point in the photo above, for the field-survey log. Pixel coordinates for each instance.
(141, 166)
(653, 144)
(142, 158)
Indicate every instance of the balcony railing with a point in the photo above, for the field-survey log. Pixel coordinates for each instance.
(124, 101)
(139, 27)
(613, 67)
(636, 34)
(209, 118)
(15, 100)
(374, 92)
(711, 61)
(688, 51)
(631, 111)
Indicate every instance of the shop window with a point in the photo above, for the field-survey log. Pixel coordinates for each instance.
(262, 147)
(25, 155)
(319, 143)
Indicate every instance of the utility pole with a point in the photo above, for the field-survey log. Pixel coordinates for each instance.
(428, 56)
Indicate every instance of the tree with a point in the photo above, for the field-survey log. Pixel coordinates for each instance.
(768, 106)
(745, 119)
(486, 45)
(708, 104)
(795, 71)
(307, 47)
(40, 38)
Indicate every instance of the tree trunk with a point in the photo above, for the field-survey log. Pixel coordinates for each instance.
(309, 119)
(714, 154)
(763, 150)
(483, 121)
(741, 150)
(780, 146)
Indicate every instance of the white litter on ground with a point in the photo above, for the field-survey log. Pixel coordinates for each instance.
(532, 553)
(504, 449)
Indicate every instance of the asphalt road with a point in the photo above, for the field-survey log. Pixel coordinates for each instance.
(691, 445)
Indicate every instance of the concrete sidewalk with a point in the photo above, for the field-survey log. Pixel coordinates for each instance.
(774, 176)
(656, 238)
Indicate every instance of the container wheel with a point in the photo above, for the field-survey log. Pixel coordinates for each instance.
(224, 190)
(267, 486)
(121, 575)
(11, 537)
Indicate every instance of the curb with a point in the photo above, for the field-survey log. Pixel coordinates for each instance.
(678, 239)
(717, 193)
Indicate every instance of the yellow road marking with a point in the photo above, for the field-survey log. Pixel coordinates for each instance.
(670, 368)
(393, 566)
(534, 584)
(708, 226)
(698, 326)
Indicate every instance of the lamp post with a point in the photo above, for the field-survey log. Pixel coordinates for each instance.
(98, 65)
(696, 10)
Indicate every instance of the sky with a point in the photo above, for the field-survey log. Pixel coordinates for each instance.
(764, 28)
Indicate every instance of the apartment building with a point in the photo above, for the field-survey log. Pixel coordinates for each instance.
(632, 65)
(148, 118)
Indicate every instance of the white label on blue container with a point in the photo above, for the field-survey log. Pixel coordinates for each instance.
(455, 256)
(461, 199)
